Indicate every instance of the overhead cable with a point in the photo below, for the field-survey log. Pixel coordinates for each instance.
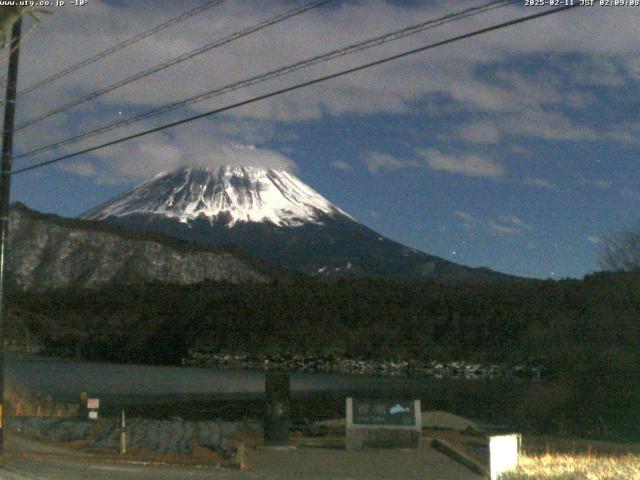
(174, 61)
(279, 72)
(110, 51)
(298, 86)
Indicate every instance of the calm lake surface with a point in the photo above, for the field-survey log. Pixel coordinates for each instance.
(183, 390)
(59, 377)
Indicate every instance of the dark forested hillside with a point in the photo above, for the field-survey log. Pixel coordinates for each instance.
(366, 318)
(587, 332)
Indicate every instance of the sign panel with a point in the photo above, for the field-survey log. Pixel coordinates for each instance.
(383, 423)
(93, 403)
(93, 415)
(503, 454)
(384, 412)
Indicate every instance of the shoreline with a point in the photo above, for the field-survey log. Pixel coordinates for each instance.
(330, 364)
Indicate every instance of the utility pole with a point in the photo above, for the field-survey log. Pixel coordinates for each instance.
(5, 191)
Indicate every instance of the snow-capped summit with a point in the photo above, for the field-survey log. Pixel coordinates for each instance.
(272, 215)
(226, 194)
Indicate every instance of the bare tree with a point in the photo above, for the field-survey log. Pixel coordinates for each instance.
(621, 251)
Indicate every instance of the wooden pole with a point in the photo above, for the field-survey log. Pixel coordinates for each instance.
(5, 192)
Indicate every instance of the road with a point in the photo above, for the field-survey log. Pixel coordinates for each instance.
(303, 463)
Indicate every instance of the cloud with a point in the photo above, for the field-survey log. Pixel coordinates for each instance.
(515, 221)
(626, 133)
(598, 183)
(451, 71)
(539, 183)
(480, 132)
(502, 229)
(595, 239)
(551, 125)
(627, 192)
(463, 215)
(376, 161)
(467, 220)
(508, 224)
(341, 165)
(470, 165)
(633, 67)
(499, 74)
(148, 158)
(602, 72)
(81, 168)
(208, 144)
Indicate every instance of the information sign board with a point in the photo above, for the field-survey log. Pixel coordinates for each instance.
(384, 412)
(387, 423)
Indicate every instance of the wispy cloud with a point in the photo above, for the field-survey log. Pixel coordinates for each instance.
(551, 125)
(598, 183)
(482, 132)
(501, 229)
(468, 221)
(515, 221)
(507, 224)
(463, 215)
(467, 164)
(376, 161)
(141, 160)
(341, 165)
(84, 169)
(539, 183)
(477, 78)
(595, 239)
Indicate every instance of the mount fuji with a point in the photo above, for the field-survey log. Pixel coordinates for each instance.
(271, 214)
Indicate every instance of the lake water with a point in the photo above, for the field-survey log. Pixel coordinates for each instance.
(182, 390)
(59, 377)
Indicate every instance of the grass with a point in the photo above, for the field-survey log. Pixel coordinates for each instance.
(21, 402)
(557, 466)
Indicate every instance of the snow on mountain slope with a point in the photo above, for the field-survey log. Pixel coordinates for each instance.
(274, 216)
(237, 194)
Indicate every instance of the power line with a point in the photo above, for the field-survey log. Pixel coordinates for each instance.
(136, 38)
(174, 61)
(298, 86)
(388, 37)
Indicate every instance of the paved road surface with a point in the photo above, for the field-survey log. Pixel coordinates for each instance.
(304, 463)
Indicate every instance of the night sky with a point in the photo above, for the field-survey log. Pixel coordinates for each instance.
(517, 150)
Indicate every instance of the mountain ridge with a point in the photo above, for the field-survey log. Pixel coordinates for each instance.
(275, 216)
(48, 251)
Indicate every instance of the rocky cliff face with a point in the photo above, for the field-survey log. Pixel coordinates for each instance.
(47, 252)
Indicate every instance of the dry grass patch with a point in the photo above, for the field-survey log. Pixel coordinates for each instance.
(554, 466)
(21, 402)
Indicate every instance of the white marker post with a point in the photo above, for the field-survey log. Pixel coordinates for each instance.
(504, 451)
(123, 435)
